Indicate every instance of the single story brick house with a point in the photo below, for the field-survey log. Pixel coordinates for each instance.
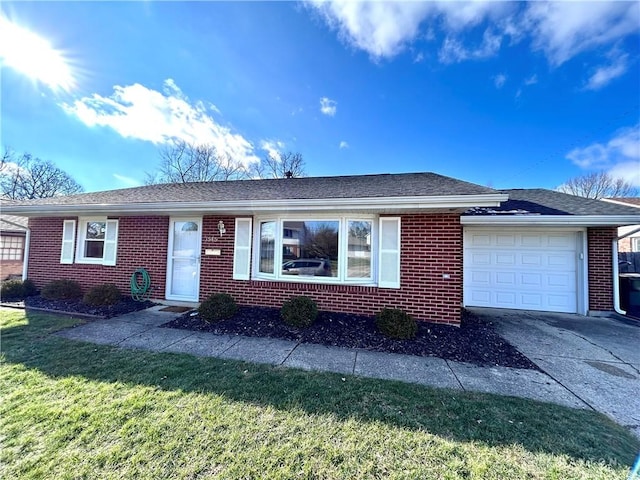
(422, 242)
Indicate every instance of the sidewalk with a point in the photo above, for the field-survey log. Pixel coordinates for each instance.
(141, 330)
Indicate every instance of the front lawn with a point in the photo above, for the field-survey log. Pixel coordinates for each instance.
(76, 410)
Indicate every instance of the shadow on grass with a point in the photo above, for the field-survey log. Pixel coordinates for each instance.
(461, 416)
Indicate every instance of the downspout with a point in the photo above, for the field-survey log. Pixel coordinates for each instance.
(616, 280)
(25, 253)
(25, 260)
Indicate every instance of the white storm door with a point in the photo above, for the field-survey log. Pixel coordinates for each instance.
(183, 265)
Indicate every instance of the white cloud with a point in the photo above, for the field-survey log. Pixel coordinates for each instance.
(620, 156)
(328, 106)
(343, 144)
(499, 80)
(138, 112)
(532, 80)
(273, 148)
(453, 50)
(560, 30)
(127, 181)
(606, 73)
(564, 29)
(379, 28)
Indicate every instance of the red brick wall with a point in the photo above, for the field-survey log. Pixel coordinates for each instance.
(142, 243)
(599, 241)
(431, 247)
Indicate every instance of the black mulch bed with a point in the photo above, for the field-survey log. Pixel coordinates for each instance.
(476, 341)
(126, 305)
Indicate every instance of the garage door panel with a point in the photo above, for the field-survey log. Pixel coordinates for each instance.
(480, 240)
(521, 270)
(531, 279)
(506, 240)
(505, 259)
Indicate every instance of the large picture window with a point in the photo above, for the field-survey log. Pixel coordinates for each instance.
(315, 250)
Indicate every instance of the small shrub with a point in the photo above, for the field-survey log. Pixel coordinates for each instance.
(299, 311)
(107, 294)
(12, 290)
(218, 306)
(62, 290)
(17, 289)
(30, 288)
(396, 324)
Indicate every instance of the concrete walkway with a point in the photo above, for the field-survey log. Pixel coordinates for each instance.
(141, 330)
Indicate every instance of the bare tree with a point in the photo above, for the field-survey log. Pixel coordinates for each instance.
(285, 165)
(598, 185)
(183, 162)
(25, 177)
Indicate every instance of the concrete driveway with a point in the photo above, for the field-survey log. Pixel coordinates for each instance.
(596, 359)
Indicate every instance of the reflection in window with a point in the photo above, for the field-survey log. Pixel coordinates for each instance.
(94, 239)
(267, 246)
(303, 241)
(359, 250)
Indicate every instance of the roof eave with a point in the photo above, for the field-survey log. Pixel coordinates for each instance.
(551, 220)
(257, 206)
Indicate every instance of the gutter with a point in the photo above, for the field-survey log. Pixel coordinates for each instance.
(550, 220)
(616, 271)
(235, 206)
(25, 253)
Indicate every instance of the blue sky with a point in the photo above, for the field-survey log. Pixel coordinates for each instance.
(501, 94)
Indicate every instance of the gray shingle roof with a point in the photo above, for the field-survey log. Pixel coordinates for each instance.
(361, 186)
(539, 201)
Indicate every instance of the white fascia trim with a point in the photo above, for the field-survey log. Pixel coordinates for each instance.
(550, 220)
(373, 204)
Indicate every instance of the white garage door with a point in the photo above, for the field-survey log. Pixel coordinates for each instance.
(528, 270)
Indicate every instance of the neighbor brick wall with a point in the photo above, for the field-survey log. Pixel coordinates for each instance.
(624, 245)
(599, 241)
(431, 247)
(10, 268)
(142, 243)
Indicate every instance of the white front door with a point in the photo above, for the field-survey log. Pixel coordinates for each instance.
(183, 265)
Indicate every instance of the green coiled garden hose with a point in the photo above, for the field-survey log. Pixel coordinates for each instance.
(140, 290)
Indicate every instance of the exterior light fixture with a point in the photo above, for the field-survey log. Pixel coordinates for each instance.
(221, 228)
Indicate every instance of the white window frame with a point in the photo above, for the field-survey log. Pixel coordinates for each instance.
(343, 223)
(635, 244)
(81, 238)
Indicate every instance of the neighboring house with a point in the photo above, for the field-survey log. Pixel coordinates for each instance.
(13, 231)
(422, 242)
(630, 243)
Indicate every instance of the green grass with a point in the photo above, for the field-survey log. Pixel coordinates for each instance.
(77, 410)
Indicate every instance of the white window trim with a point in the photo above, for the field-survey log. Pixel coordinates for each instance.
(81, 237)
(342, 278)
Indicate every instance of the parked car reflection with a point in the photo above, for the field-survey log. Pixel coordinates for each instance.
(307, 266)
